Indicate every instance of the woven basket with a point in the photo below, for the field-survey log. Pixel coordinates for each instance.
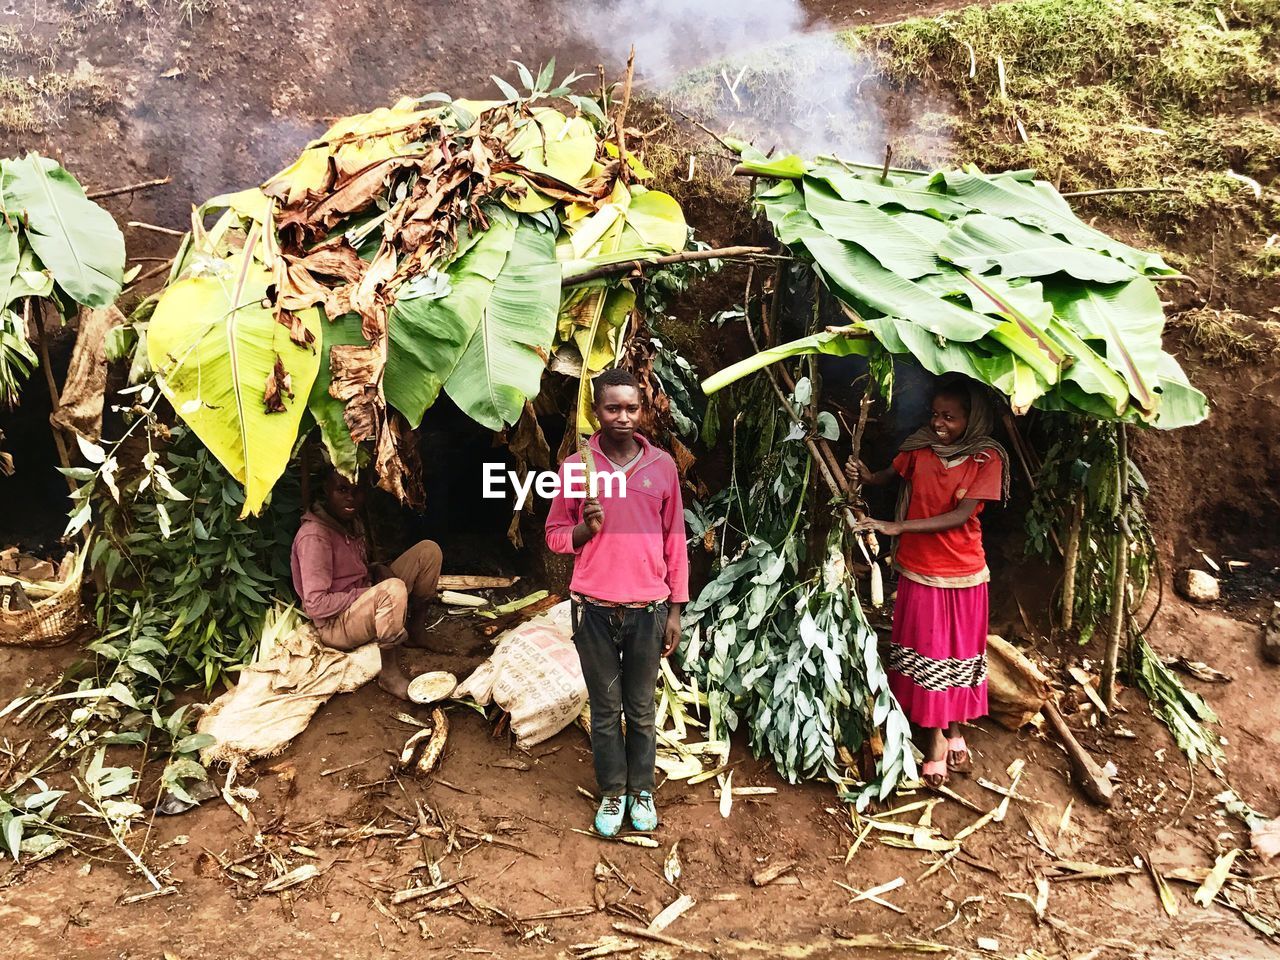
(51, 621)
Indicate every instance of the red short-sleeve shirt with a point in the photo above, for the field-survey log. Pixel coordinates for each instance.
(937, 489)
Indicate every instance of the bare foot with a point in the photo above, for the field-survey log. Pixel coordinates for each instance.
(392, 677)
(396, 684)
(422, 638)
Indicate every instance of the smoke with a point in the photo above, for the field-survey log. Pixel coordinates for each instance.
(760, 69)
(671, 36)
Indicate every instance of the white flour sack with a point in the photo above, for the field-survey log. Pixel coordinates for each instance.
(534, 675)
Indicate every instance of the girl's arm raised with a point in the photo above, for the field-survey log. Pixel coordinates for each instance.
(945, 521)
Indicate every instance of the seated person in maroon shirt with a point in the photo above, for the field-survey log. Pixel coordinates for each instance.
(350, 601)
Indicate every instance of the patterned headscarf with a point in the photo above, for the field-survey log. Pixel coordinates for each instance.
(976, 438)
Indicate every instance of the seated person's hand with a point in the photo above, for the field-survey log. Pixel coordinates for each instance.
(379, 572)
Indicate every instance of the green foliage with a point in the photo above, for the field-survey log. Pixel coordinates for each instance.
(777, 639)
(1185, 713)
(1081, 478)
(1081, 465)
(991, 276)
(186, 582)
(437, 232)
(55, 244)
(662, 286)
(28, 825)
(184, 587)
(71, 235)
(677, 379)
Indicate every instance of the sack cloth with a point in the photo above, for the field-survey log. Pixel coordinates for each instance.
(1016, 689)
(534, 675)
(80, 400)
(275, 698)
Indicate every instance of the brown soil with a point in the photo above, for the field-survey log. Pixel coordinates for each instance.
(256, 81)
(68, 906)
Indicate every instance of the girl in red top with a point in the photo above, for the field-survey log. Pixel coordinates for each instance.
(938, 651)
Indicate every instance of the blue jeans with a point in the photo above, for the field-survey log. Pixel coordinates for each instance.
(620, 648)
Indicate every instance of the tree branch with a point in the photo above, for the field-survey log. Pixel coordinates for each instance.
(625, 266)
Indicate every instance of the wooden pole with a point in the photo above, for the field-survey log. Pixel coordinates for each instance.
(130, 188)
(1119, 577)
(624, 169)
(1116, 190)
(55, 399)
(1070, 557)
(823, 458)
(611, 269)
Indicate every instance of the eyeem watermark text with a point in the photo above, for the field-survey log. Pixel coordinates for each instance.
(547, 484)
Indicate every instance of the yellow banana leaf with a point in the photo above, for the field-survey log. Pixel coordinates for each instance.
(217, 351)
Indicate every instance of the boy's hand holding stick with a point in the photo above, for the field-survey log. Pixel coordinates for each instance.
(593, 516)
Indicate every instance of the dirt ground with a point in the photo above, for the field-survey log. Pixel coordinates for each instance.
(228, 98)
(68, 906)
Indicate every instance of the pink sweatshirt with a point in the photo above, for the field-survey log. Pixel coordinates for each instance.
(330, 568)
(639, 554)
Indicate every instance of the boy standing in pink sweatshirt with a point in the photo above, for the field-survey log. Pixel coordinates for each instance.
(630, 579)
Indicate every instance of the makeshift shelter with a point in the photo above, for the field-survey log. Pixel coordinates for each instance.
(991, 276)
(472, 248)
(429, 247)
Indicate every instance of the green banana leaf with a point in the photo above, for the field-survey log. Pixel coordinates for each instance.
(939, 265)
(1181, 404)
(74, 238)
(828, 342)
(328, 410)
(789, 167)
(904, 243)
(10, 258)
(856, 277)
(502, 364)
(1093, 374)
(637, 225)
(980, 243)
(909, 193)
(657, 219)
(429, 336)
(213, 347)
(1037, 204)
(1126, 318)
(1022, 334)
(30, 279)
(553, 144)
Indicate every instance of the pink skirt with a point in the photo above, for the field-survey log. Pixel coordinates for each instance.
(938, 653)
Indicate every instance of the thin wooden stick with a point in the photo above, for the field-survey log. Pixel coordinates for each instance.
(1114, 190)
(1119, 577)
(888, 155)
(1070, 557)
(130, 188)
(864, 406)
(620, 123)
(834, 486)
(648, 934)
(155, 229)
(54, 398)
(701, 126)
(610, 269)
(154, 271)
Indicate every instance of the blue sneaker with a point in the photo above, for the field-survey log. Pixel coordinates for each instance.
(609, 816)
(644, 815)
